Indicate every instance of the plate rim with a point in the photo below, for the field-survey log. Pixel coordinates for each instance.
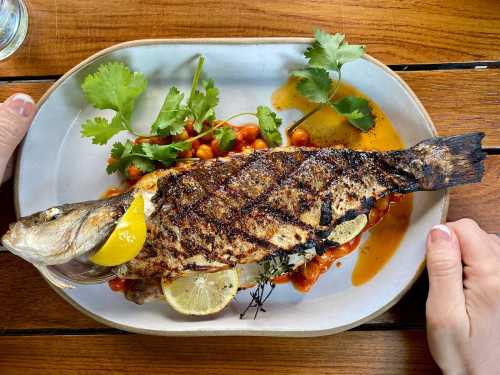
(228, 332)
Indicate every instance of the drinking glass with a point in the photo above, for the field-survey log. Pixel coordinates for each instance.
(13, 26)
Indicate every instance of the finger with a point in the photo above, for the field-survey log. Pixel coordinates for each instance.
(475, 244)
(16, 114)
(444, 265)
(495, 243)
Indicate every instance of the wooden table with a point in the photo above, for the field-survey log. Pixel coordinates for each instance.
(448, 52)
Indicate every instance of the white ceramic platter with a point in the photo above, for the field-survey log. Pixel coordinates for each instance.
(58, 166)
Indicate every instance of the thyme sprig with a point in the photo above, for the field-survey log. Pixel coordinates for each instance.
(270, 268)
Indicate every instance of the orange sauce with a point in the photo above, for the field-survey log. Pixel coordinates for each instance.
(327, 128)
(383, 241)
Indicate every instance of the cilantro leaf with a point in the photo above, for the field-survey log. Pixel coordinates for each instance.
(144, 164)
(170, 120)
(166, 154)
(332, 51)
(120, 154)
(269, 123)
(100, 130)
(315, 84)
(356, 110)
(114, 86)
(226, 137)
(203, 105)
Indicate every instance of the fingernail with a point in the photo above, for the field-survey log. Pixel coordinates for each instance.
(22, 104)
(440, 233)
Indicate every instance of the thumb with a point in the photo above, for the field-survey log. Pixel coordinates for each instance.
(444, 265)
(16, 114)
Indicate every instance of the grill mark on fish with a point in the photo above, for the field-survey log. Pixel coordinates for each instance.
(189, 218)
(231, 230)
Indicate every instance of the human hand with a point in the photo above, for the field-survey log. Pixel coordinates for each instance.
(463, 306)
(16, 114)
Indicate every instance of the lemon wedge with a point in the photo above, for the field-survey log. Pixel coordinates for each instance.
(127, 239)
(201, 293)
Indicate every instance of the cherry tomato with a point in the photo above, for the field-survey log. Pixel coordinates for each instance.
(214, 145)
(238, 145)
(181, 137)
(204, 152)
(207, 138)
(249, 133)
(259, 144)
(311, 271)
(189, 128)
(117, 284)
(325, 260)
(134, 173)
(195, 144)
(300, 283)
(186, 154)
(282, 279)
(300, 138)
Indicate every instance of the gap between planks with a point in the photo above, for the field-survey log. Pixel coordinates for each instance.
(480, 65)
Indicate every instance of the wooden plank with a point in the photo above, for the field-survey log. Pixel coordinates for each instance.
(458, 101)
(389, 352)
(24, 290)
(64, 33)
(28, 302)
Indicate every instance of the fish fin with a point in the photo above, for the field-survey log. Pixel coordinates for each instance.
(54, 280)
(437, 163)
(450, 161)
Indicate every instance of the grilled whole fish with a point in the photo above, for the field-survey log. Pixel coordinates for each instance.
(245, 207)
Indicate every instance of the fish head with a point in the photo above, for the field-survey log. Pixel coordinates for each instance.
(61, 233)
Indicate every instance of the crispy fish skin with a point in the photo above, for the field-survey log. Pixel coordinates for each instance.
(241, 209)
(246, 207)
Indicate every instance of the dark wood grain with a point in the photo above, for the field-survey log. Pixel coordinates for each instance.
(62, 34)
(390, 352)
(458, 101)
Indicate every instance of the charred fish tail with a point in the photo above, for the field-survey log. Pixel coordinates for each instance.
(438, 163)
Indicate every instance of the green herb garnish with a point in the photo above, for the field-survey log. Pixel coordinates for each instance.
(328, 54)
(226, 138)
(270, 268)
(114, 86)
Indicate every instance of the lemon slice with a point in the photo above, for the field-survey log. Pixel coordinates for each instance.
(127, 239)
(201, 293)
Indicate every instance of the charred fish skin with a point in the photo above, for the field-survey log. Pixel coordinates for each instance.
(244, 208)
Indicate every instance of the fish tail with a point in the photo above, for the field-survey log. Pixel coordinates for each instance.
(441, 162)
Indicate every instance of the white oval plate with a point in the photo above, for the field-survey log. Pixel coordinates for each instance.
(58, 166)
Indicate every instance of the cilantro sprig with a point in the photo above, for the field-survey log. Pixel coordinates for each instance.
(327, 54)
(114, 86)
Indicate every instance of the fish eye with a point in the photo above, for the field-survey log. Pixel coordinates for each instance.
(53, 214)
